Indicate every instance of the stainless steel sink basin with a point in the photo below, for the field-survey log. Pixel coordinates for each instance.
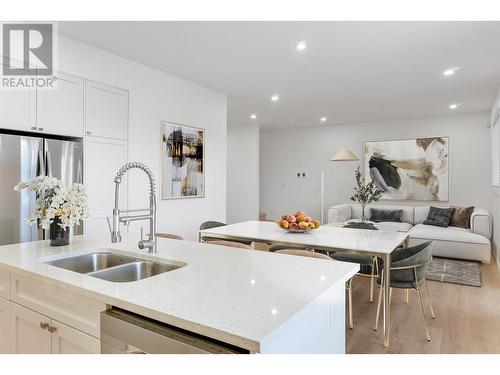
(91, 262)
(114, 267)
(134, 271)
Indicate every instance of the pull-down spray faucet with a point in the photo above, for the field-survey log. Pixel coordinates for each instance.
(151, 242)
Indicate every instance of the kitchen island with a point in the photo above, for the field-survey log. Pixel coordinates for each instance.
(257, 301)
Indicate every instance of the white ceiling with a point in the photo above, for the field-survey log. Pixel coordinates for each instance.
(350, 71)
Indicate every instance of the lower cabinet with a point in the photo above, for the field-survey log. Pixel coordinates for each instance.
(67, 340)
(34, 333)
(4, 326)
(26, 333)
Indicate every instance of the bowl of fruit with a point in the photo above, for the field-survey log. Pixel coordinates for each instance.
(298, 223)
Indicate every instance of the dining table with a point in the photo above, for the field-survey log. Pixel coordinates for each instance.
(327, 238)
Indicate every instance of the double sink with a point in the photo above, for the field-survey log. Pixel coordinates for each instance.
(114, 267)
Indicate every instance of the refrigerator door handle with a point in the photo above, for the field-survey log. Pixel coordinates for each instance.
(49, 164)
(40, 169)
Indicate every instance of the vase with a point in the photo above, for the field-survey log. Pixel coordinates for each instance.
(363, 216)
(59, 236)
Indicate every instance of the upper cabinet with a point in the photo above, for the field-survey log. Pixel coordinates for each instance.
(18, 109)
(60, 111)
(53, 111)
(106, 111)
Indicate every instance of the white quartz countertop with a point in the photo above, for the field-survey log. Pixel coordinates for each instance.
(326, 236)
(233, 295)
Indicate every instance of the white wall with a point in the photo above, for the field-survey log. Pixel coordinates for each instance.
(495, 200)
(242, 173)
(156, 96)
(286, 152)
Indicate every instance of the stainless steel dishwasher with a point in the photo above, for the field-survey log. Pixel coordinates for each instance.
(123, 332)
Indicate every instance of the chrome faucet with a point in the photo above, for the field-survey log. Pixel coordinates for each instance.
(151, 242)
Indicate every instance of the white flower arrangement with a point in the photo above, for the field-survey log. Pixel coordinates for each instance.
(54, 200)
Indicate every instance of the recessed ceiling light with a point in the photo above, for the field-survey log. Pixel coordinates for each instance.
(451, 71)
(253, 116)
(323, 119)
(301, 46)
(454, 105)
(275, 98)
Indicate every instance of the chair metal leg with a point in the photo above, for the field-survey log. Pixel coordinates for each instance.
(390, 296)
(349, 289)
(429, 299)
(406, 295)
(379, 302)
(421, 305)
(372, 279)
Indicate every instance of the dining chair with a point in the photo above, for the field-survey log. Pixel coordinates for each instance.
(303, 253)
(229, 244)
(368, 268)
(408, 270)
(215, 224)
(275, 248)
(169, 235)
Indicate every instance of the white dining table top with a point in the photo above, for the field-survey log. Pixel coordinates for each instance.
(327, 236)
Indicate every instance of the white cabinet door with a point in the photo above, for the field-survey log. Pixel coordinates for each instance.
(106, 111)
(103, 158)
(18, 109)
(26, 334)
(60, 111)
(4, 326)
(67, 340)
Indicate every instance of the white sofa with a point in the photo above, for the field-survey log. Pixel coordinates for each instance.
(450, 242)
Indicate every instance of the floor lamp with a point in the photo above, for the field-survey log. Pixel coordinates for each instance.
(341, 155)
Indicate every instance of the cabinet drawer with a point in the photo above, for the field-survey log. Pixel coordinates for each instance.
(67, 307)
(4, 283)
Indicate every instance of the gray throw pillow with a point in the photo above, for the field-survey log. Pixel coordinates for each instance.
(439, 217)
(377, 215)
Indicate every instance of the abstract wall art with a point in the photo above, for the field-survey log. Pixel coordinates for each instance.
(182, 161)
(413, 169)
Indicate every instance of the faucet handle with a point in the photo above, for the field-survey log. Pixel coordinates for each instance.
(109, 225)
(142, 234)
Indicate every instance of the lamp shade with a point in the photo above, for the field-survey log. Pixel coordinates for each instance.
(344, 155)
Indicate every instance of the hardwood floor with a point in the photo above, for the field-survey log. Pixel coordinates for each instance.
(467, 319)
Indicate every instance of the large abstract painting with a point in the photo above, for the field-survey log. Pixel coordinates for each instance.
(182, 161)
(414, 169)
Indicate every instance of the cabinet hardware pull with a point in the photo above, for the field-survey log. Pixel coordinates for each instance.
(40, 129)
(44, 325)
(33, 128)
(51, 329)
(89, 132)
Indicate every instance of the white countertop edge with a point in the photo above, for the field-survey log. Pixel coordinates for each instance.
(211, 332)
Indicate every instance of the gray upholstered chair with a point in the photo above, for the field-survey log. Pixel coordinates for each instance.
(368, 268)
(408, 270)
(216, 224)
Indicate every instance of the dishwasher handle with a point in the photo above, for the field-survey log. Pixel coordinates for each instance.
(128, 333)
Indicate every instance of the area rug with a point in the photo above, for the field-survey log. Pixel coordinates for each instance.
(454, 271)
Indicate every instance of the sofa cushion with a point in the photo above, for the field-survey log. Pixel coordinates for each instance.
(439, 217)
(393, 227)
(378, 215)
(421, 213)
(461, 217)
(406, 216)
(452, 234)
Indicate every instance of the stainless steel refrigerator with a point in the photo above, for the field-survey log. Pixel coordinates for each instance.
(23, 157)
